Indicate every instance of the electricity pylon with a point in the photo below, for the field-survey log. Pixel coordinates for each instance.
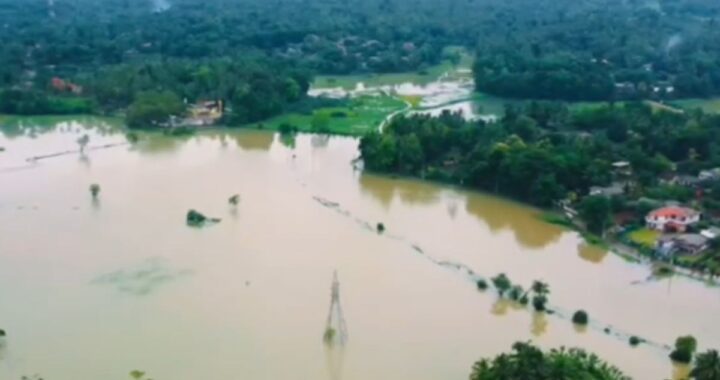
(335, 328)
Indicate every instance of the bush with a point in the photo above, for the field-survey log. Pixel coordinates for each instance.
(338, 114)
(287, 128)
(482, 284)
(580, 317)
(2, 332)
(685, 347)
(539, 303)
(634, 341)
(380, 228)
(195, 218)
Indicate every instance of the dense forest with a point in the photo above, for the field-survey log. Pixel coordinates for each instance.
(68, 56)
(543, 152)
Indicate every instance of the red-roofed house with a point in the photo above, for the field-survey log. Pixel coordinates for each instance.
(672, 218)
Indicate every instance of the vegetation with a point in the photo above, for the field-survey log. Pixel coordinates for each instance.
(634, 341)
(685, 347)
(380, 228)
(196, 219)
(234, 200)
(580, 317)
(502, 284)
(529, 362)
(2, 332)
(481, 284)
(541, 291)
(95, 190)
(707, 366)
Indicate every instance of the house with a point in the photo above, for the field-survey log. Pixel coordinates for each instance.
(205, 113)
(622, 168)
(711, 233)
(65, 86)
(672, 218)
(682, 243)
(608, 191)
(709, 175)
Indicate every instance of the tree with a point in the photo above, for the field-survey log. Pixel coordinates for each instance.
(320, 122)
(707, 366)
(685, 347)
(234, 200)
(154, 109)
(528, 362)
(502, 283)
(541, 291)
(95, 190)
(595, 212)
(580, 317)
(83, 142)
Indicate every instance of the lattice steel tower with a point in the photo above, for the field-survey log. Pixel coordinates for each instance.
(335, 329)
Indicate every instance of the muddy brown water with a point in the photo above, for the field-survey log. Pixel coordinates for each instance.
(95, 289)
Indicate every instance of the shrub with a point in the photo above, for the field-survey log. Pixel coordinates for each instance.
(580, 317)
(195, 218)
(482, 284)
(2, 332)
(380, 228)
(95, 190)
(685, 347)
(539, 302)
(634, 341)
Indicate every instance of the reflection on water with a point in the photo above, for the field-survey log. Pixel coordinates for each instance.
(502, 215)
(335, 357)
(681, 371)
(142, 279)
(413, 311)
(254, 141)
(539, 324)
(408, 192)
(591, 253)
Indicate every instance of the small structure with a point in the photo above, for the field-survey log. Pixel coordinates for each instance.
(61, 85)
(614, 189)
(682, 243)
(205, 113)
(672, 218)
(711, 233)
(622, 168)
(709, 175)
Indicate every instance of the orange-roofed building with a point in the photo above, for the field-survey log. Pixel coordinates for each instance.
(672, 218)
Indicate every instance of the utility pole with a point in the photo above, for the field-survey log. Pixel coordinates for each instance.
(335, 327)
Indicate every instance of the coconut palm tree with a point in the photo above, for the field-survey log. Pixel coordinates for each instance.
(707, 366)
(502, 283)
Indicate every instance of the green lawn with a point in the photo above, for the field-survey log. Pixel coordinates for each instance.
(644, 237)
(362, 114)
(424, 76)
(707, 105)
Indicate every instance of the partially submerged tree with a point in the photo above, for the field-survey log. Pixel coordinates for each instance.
(528, 362)
(581, 317)
(83, 142)
(95, 190)
(197, 219)
(502, 283)
(685, 347)
(541, 291)
(380, 228)
(707, 366)
(234, 200)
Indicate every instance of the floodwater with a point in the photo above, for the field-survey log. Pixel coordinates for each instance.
(95, 289)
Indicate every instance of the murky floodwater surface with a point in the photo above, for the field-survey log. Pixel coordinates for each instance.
(93, 290)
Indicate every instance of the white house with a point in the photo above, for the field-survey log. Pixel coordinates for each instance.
(672, 218)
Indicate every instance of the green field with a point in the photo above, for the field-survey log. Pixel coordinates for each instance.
(644, 237)
(420, 77)
(361, 115)
(707, 105)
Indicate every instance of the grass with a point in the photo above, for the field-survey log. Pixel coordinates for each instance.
(361, 115)
(422, 76)
(644, 237)
(557, 219)
(708, 105)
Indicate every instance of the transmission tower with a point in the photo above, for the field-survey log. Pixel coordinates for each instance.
(335, 328)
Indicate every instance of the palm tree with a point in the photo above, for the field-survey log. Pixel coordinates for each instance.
(541, 290)
(502, 283)
(707, 366)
